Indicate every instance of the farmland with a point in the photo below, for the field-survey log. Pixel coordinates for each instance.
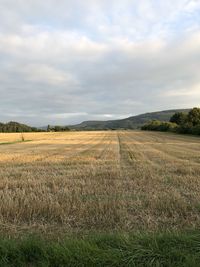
(102, 181)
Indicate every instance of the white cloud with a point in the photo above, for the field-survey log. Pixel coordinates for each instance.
(192, 91)
(97, 59)
(66, 115)
(46, 75)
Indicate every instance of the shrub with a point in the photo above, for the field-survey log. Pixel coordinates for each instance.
(179, 122)
(194, 116)
(179, 118)
(160, 126)
(195, 130)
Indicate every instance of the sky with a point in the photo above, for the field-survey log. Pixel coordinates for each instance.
(66, 61)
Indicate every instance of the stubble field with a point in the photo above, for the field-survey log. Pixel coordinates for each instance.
(102, 181)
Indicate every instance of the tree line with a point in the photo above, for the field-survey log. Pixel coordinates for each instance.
(180, 122)
(15, 127)
(57, 128)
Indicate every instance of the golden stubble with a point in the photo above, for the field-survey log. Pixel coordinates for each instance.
(80, 181)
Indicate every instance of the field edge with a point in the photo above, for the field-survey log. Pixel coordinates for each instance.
(104, 249)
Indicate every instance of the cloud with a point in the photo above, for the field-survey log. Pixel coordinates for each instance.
(47, 75)
(193, 92)
(66, 115)
(92, 59)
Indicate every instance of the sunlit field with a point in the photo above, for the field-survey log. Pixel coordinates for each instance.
(102, 181)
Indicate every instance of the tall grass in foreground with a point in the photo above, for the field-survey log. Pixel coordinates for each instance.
(172, 249)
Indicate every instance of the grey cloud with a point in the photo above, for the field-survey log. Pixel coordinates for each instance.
(90, 67)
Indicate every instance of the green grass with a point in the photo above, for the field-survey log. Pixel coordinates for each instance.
(169, 249)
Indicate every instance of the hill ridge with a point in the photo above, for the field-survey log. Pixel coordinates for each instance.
(132, 122)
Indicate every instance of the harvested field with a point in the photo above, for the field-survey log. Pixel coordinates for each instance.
(111, 180)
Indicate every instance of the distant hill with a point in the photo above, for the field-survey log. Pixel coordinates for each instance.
(13, 127)
(133, 122)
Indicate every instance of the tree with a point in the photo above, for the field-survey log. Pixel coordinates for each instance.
(57, 128)
(179, 118)
(162, 126)
(66, 129)
(194, 116)
(15, 127)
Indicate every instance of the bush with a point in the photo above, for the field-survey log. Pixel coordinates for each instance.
(179, 123)
(185, 128)
(195, 130)
(179, 118)
(160, 126)
(194, 116)
(57, 128)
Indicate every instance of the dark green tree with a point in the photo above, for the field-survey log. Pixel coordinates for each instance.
(58, 128)
(179, 118)
(194, 116)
